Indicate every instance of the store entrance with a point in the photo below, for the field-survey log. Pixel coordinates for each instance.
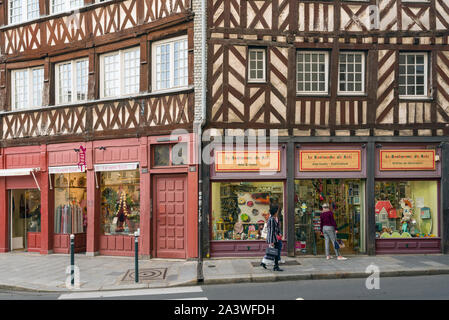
(25, 216)
(346, 200)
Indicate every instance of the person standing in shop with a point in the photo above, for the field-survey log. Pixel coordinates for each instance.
(273, 233)
(328, 228)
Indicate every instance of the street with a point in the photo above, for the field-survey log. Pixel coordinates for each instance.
(402, 288)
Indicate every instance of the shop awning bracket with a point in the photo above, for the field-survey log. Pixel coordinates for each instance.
(49, 181)
(96, 180)
(35, 180)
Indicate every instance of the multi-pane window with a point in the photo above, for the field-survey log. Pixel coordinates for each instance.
(413, 74)
(65, 5)
(27, 87)
(351, 73)
(120, 73)
(71, 81)
(256, 68)
(170, 63)
(23, 10)
(312, 72)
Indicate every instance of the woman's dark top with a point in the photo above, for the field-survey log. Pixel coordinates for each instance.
(327, 219)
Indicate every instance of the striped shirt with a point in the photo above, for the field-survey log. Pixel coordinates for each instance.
(273, 230)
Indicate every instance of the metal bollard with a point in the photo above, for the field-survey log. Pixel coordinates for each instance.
(72, 259)
(136, 260)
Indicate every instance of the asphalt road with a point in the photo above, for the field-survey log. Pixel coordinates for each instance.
(401, 288)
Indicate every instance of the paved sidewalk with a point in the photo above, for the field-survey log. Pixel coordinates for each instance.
(48, 272)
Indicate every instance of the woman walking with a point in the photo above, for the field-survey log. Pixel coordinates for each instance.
(328, 227)
(274, 235)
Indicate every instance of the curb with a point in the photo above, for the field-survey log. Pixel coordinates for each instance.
(323, 276)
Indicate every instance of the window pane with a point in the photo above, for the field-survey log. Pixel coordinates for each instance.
(32, 9)
(351, 73)
(15, 11)
(234, 219)
(58, 6)
(179, 154)
(120, 202)
(82, 79)
(38, 84)
(163, 66)
(393, 198)
(132, 71)
(20, 89)
(180, 63)
(65, 82)
(256, 67)
(162, 155)
(311, 72)
(111, 75)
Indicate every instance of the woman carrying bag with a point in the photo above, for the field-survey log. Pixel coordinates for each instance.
(273, 236)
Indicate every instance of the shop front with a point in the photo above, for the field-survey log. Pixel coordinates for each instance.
(334, 175)
(20, 211)
(407, 189)
(243, 184)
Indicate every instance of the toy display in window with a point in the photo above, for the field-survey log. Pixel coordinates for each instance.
(122, 213)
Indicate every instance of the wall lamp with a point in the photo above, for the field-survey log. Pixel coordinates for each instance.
(378, 145)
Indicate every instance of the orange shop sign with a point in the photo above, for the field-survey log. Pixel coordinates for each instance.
(330, 160)
(240, 161)
(407, 160)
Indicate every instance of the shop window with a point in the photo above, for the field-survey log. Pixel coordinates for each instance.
(120, 202)
(70, 203)
(240, 209)
(346, 200)
(406, 209)
(170, 155)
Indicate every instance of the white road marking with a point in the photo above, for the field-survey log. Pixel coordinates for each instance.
(129, 293)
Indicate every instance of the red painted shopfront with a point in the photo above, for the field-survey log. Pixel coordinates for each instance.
(106, 201)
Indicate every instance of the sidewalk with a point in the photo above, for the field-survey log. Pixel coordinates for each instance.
(28, 271)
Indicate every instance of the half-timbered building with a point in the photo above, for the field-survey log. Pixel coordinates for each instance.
(96, 125)
(356, 94)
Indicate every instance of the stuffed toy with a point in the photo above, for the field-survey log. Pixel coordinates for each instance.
(407, 214)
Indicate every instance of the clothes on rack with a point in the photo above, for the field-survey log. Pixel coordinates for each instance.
(69, 219)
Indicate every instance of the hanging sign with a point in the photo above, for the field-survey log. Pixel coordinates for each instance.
(116, 166)
(330, 160)
(407, 160)
(238, 161)
(82, 159)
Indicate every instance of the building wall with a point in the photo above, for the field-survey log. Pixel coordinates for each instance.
(283, 27)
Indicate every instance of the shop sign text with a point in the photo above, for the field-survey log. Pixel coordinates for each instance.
(407, 160)
(330, 160)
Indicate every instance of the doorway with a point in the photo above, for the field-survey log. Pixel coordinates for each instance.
(346, 200)
(25, 217)
(170, 208)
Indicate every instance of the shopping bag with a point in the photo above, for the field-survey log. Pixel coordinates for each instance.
(273, 252)
(269, 261)
(336, 245)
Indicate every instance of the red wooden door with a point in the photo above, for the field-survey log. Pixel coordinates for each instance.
(170, 213)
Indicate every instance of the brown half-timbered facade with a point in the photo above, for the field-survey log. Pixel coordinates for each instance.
(328, 77)
(103, 84)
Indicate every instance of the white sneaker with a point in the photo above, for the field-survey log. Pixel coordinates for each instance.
(328, 257)
(281, 261)
(342, 258)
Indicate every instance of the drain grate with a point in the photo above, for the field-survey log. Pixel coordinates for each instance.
(146, 274)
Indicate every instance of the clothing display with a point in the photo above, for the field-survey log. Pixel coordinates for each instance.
(69, 219)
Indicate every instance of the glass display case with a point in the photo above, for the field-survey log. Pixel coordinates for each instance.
(240, 209)
(120, 202)
(70, 203)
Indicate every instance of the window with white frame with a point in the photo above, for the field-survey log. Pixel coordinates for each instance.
(71, 81)
(256, 65)
(120, 73)
(312, 72)
(23, 10)
(170, 63)
(27, 86)
(413, 74)
(58, 6)
(351, 73)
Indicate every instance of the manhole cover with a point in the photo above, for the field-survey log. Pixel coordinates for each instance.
(146, 274)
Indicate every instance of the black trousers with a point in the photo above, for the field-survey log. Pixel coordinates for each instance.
(277, 245)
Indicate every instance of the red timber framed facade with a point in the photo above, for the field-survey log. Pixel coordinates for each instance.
(325, 76)
(120, 187)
